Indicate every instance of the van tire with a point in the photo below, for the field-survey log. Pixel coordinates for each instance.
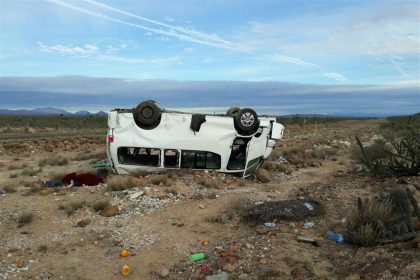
(147, 114)
(246, 121)
(232, 111)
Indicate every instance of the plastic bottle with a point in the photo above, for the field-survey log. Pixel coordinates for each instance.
(197, 257)
(337, 237)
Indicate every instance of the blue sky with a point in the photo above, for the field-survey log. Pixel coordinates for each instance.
(303, 42)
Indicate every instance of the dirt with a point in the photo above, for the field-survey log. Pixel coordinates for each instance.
(162, 224)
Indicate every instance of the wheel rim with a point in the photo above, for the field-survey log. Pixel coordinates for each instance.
(247, 119)
(147, 112)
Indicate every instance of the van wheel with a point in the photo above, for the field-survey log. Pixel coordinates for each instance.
(232, 111)
(147, 114)
(246, 121)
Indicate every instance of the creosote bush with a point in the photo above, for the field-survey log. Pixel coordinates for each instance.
(123, 182)
(25, 218)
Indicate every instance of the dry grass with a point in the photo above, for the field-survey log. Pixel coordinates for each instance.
(10, 189)
(158, 179)
(25, 218)
(15, 166)
(30, 171)
(53, 161)
(122, 182)
(100, 204)
(365, 228)
(73, 206)
(90, 155)
(209, 182)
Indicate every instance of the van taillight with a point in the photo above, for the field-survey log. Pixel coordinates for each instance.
(111, 135)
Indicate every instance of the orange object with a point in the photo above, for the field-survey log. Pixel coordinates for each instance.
(205, 243)
(125, 270)
(125, 253)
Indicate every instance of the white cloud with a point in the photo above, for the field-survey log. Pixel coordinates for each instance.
(85, 50)
(182, 33)
(139, 60)
(336, 76)
(292, 60)
(169, 19)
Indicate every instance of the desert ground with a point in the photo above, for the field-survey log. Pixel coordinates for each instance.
(70, 232)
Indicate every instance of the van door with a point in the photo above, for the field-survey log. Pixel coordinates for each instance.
(255, 152)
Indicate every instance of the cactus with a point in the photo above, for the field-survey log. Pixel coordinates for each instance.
(381, 220)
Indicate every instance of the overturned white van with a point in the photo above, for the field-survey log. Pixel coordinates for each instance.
(153, 139)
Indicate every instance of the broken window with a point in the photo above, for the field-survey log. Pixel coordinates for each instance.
(237, 157)
(171, 158)
(139, 156)
(200, 160)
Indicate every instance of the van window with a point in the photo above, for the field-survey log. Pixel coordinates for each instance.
(139, 156)
(171, 158)
(237, 157)
(200, 160)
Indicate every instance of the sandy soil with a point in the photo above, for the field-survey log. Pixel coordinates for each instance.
(162, 223)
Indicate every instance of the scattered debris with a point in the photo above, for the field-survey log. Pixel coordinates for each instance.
(125, 253)
(282, 210)
(337, 237)
(308, 225)
(84, 222)
(2, 191)
(307, 239)
(81, 179)
(197, 257)
(125, 270)
(309, 206)
(270, 225)
(110, 211)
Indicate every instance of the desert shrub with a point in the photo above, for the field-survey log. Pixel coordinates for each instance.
(25, 218)
(402, 158)
(157, 179)
(9, 189)
(121, 182)
(30, 171)
(209, 182)
(53, 161)
(377, 150)
(100, 204)
(72, 206)
(367, 223)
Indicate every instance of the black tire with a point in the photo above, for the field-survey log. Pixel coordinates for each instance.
(232, 111)
(246, 121)
(147, 114)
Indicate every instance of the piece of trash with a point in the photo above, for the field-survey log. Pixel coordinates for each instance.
(205, 243)
(125, 270)
(2, 191)
(178, 224)
(125, 253)
(307, 239)
(197, 257)
(100, 164)
(309, 206)
(205, 269)
(337, 237)
(81, 179)
(268, 224)
(343, 220)
(309, 225)
(53, 183)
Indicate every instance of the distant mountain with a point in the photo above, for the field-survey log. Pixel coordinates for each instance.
(102, 113)
(34, 112)
(47, 111)
(82, 113)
